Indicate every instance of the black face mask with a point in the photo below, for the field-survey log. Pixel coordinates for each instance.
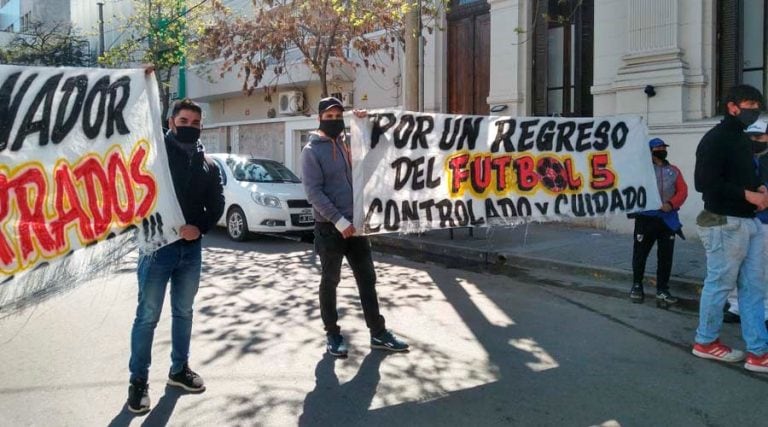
(661, 155)
(187, 134)
(332, 128)
(759, 148)
(747, 116)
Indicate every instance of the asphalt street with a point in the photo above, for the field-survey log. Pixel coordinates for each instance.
(533, 349)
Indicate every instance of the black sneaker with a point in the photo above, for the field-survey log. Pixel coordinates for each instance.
(187, 379)
(388, 341)
(138, 397)
(664, 299)
(336, 345)
(731, 317)
(636, 294)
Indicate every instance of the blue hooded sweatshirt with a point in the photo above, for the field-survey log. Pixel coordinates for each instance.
(327, 176)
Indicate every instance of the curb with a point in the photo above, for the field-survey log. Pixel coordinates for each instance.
(454, 256)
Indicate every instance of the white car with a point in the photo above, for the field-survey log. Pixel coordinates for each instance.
(262, 196)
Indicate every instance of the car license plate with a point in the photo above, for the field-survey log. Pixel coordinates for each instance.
(304, 218)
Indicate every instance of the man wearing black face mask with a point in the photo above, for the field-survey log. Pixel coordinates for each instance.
(758, 133)
(731, 235)
(326, 166)
(198, 189)
(658, 226)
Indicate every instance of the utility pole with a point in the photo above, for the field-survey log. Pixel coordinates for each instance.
(412, 40)
(421, 58)
(181, 89)
(101, 28)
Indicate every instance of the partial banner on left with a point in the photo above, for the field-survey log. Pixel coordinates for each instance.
(82, 160)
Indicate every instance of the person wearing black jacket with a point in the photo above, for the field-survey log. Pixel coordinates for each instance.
(758, 132)
(732, 236)
(197, 183)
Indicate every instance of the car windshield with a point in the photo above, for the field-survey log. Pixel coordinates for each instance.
(257, 170)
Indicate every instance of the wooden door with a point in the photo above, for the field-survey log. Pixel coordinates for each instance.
(469, 58)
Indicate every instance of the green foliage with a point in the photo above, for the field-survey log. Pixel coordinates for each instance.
(163, 33)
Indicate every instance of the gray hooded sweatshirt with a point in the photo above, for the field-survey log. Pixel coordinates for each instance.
(327, 176)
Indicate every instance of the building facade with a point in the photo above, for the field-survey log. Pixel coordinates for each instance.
(10, 17)
(16, 16)
(670, 61)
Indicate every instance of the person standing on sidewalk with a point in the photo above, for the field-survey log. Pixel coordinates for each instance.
(326, 166)
(758, 132)
(659, 226)
(731, 235)
(197, 183)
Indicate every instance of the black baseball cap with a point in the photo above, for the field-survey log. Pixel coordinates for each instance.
(327, 103)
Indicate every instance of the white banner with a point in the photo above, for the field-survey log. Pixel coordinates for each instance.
(82, 159)
(416, 171)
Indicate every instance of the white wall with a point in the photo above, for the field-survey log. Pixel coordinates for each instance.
(10, 14)
(511, 41)
(381, 87)
(85, 19)
(635, 45)
(50, 11)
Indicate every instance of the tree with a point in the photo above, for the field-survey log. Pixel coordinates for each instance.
(318, 29)
(48, 45)
(162, 33)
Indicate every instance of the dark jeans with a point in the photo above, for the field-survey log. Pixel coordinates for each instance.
(650, 230)
(179, 263)
(332, 248)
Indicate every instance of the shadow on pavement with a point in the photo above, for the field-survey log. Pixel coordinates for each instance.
(162, 411)
(251, 297)
(332, 403)
(159, 415)
(490, 353)
(123, 418)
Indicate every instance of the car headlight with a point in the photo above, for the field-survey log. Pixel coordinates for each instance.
(265, 200)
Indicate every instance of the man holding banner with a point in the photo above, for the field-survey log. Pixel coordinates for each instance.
(197, 183)
(659, 226)
(732, 236)
(326, 165)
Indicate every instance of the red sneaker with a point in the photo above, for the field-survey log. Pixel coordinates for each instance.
(757, 363)
(717, 351)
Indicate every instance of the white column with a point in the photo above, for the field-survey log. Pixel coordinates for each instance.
(234, 132)
(436, 68)
(653, 56)
(510, 42)
(652, 25)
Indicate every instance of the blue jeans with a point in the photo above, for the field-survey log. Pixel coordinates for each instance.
(179, 262)
(734, 258)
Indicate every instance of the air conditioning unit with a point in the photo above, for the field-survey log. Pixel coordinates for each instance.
(345, 97)
(290, 102)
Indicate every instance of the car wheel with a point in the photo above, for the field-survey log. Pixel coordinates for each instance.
(237, 225)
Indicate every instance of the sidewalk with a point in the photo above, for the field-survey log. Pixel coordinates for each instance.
(565, 247)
